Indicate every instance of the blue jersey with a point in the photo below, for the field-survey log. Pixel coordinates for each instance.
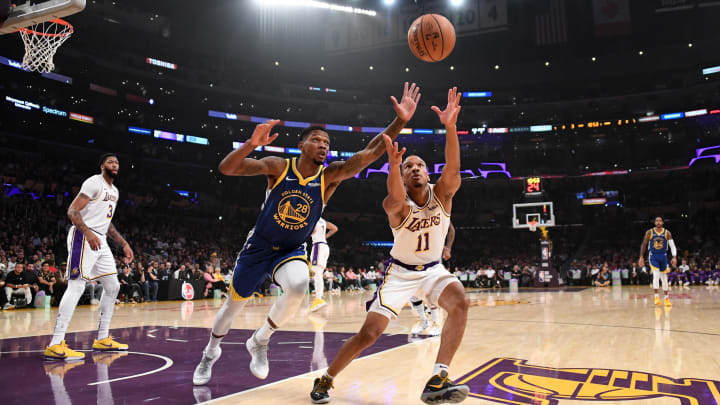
(291, 208)
(658, 243)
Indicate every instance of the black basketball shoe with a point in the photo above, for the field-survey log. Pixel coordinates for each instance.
(441, 390)
(320, 394)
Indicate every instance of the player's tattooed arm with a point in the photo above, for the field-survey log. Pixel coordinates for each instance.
(395, 204)
(339, 171)
(78, 204)
(643, 248)
(127, 250)
(450, 179)
(237, 163)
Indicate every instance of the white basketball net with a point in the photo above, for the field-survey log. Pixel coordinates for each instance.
(41, 42)
(532, 225)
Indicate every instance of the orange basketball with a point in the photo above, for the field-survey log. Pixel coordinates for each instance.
(431, 37)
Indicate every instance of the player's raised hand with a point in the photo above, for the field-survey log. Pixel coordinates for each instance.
(261, 136)
(408, 103)
(394, 155)
(449, 115)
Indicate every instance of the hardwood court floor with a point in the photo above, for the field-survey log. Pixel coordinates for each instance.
(532, 347)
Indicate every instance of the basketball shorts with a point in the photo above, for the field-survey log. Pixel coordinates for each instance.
(320, 254)
(659, 262)
(400, 284)
(255, 262)
(86, 263)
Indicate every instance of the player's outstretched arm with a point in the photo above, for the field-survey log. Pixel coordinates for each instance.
(450, 180)
(332, 229)
(643, 249)
(395, 204)
(339, 171)
(236, 163)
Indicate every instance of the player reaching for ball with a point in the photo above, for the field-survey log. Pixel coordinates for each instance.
(296, 195)
(419, 215)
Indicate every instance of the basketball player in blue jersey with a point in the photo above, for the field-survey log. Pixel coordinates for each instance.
(296, 195)
(659, 239)
(419, 215)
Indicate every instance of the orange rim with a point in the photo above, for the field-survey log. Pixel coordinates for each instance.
(44, 34)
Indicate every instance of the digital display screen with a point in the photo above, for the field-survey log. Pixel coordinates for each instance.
(533, 185)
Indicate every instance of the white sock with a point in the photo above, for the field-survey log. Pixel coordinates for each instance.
(439, 368)
(263, 334)
(111, 287)
(656, 295)
(75, 290)
(223, 321)
(420, 309)
(435, 314)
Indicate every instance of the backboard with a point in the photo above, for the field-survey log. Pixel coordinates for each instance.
(540, 212)
(28, 14)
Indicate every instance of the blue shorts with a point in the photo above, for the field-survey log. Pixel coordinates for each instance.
(255, 262)
(659, 262)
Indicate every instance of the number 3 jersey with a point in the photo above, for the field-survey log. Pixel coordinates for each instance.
(98, 213)
(420, 238)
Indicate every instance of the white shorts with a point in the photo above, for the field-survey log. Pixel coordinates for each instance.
(399, 284)
(320, 254)
(85, 262)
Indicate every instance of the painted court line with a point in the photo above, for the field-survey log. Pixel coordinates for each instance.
(304, 375)
(177, 340)
(293, 343)
(168, 364)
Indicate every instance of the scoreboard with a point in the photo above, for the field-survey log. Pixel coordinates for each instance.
(532, 186)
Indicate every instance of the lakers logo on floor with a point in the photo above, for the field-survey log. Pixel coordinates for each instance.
(513, 381)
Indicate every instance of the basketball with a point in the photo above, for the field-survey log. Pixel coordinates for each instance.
(431, 37)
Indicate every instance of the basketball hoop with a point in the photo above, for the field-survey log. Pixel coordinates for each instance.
(41, 42)
(532, 226)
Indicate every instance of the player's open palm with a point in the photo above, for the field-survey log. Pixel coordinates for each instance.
(394, 153)
(261, 136)
(449, 115)
(408, 103)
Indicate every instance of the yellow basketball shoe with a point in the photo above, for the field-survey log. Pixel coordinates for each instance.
(667, 302)
(657, 300)
(109, 345)
(63, 352)
(317, 304)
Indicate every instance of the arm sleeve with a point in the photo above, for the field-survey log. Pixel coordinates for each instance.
(673, 249)
(91, 188)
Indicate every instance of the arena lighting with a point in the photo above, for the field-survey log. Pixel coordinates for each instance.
(711, 70)
(477, 94)
(672, 116)
(456, 3)
(141, 131)
(594, 201)
(82, 118)
(700, 154)
(170, 136)
(388, 2)
(317, 4)
(696, 113)
(197, 140)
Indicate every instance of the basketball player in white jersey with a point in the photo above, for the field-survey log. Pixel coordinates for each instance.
(419, 214)
(419, 306)
(319, 257)
(90, 258)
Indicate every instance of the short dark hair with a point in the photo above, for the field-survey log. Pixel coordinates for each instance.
(105, 157)
(306, 132)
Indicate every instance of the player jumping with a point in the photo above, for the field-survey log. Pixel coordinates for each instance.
(296, 195)
(661, 238)
(419, 214)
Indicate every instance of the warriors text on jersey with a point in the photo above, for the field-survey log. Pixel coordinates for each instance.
(420, 238)
(291, 208)
(99, 211)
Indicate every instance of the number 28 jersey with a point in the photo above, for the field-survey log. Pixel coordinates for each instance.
(420, 238)
(98, 213)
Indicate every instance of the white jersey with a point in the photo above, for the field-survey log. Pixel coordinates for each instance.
(420, 238)
(98, 213)
(320, 232)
